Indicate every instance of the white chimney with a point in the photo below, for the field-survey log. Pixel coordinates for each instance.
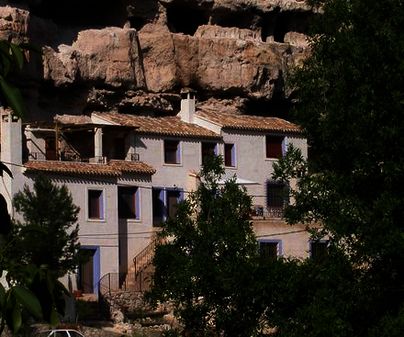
(11, 155)
(11, 138)
(187, 105)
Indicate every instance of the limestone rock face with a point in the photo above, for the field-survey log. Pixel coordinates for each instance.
(263, 5)
(13, 24)
(215, 59)
(109, 55)
(144, 52)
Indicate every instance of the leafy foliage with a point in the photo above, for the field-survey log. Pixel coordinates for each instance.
(12, 59)
(36, 253)
(350, 104)
(33, 291)
(208, 257)
(48, 236)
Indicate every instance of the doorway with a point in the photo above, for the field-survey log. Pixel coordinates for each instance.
(89, 270)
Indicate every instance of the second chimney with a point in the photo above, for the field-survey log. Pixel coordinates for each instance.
(187, 105)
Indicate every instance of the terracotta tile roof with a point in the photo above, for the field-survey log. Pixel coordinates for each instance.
(168, 125)
(131, 166)
(247, 122)
(112, 168)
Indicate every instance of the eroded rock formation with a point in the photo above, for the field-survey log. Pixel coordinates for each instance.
(135, 56)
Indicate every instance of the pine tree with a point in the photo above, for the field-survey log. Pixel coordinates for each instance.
(48, 234)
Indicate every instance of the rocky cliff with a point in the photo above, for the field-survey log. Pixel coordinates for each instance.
(134, 56)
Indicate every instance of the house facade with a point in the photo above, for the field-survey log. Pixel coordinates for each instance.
(127, 173)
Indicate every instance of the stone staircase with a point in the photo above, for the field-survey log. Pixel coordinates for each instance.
(141, 271)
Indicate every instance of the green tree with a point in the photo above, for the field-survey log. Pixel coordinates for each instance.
(48, 235)
(18, 299)
(350, 104)
(207, 259)
(36, 291)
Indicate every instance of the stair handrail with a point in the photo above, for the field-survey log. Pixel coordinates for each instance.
(146, 255)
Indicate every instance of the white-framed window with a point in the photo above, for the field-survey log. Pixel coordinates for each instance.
(274, 146)
(270, 249)
(172, 151)
(128, 202)
(95, 204)
(229, 155)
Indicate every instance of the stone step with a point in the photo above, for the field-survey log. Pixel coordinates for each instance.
(146, 314)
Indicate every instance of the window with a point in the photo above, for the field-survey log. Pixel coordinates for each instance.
(229, 155)
(318, 249)
(172, 152)
(95, 204)
(277, 198)
(165, 203)
(274, 146)
(270, 250)
(208, 149)
(128, 203)
(60, 333)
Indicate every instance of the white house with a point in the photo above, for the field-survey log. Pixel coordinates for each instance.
(127, 173)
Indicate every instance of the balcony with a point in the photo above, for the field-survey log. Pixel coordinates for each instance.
(259, 212)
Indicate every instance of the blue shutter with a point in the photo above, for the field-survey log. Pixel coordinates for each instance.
(284, 146)
(162, 198)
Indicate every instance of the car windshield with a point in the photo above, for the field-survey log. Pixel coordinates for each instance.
(74, 334)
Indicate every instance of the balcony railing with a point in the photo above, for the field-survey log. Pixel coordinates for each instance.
(98, 160)
(267, 212)
(134, 156)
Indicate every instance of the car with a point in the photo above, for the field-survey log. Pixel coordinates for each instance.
(59, 333)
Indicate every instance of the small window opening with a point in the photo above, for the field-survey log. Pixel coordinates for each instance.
(274, 146)
(128, 203)
(95, 204)
(172, 152)
(229, 155)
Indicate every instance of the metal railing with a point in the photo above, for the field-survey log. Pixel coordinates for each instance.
(98, 160)
(134, 157)
(114, 282)
(145, 257)
(261, 212)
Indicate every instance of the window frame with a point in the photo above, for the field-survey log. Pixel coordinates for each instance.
(102, 205)
(283, 145)
(282, 189)
(178, 152)
(215, 150)
(279, 246)
(162, 193)
(136, 196)
(233, 155)
(324, 242)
